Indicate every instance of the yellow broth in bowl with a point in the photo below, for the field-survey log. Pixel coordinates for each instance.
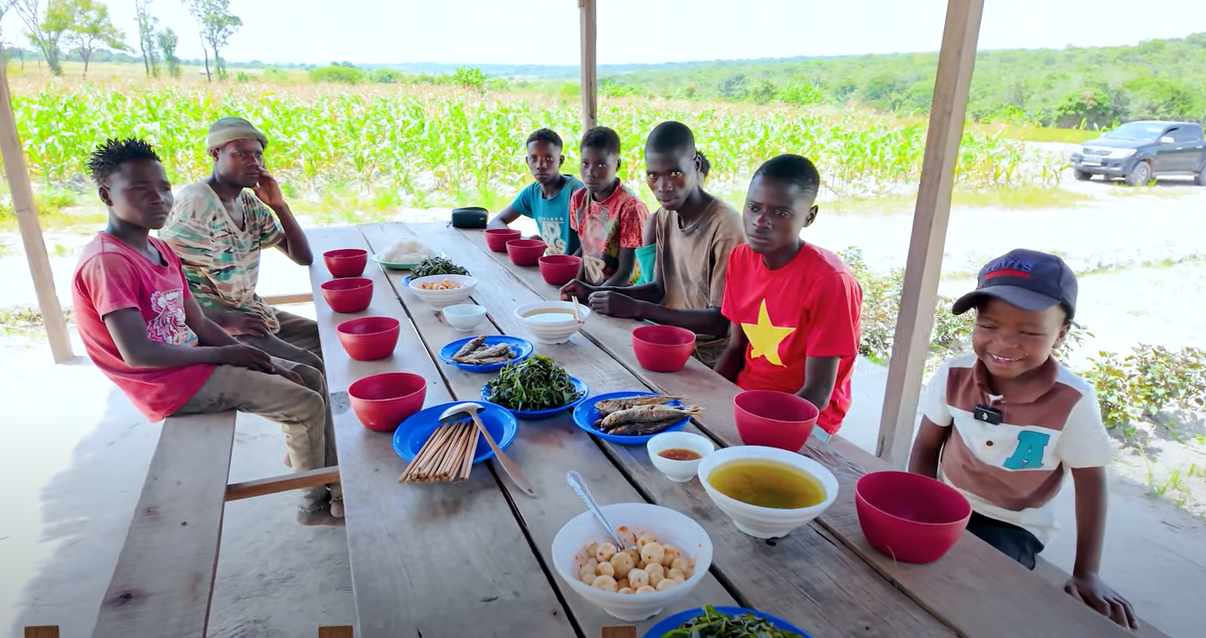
(766, 483)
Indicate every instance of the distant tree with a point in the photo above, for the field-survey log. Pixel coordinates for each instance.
(470, 78)
(1159, 99)
(338, 74)
(802, 94)
(386, 76)
(45, 31)
(91, 28)
(167, 41)
(733, 87)
(764, 92)
(887, 91)
(217, 25)
(147, 25)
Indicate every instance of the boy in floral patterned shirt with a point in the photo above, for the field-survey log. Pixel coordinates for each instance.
(607, 217)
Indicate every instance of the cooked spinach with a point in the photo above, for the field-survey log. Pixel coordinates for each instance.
(713, 624)
(433, 266)
(537, 383)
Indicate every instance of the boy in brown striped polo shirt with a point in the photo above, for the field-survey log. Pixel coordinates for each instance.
(1021, 422)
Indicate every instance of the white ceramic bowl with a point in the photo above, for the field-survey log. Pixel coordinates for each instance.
(766, 522)
(678, 471)
(551, 328)
(669, 526)
(440, 299)
(464, 317)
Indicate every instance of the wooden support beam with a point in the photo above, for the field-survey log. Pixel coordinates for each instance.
(27, 221)
(342, 631)
(916, 321)
(282, 483)
(588, 26)
(49, 631)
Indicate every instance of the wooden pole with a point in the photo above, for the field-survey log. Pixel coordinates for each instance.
(916, 321)
(27, 221)
(589, 31)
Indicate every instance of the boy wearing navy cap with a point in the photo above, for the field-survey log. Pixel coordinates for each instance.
(1020, 422)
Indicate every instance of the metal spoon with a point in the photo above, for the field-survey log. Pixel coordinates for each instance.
(576, 482)
(508, 465)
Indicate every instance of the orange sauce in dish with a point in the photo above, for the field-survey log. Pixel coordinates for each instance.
(679, 454)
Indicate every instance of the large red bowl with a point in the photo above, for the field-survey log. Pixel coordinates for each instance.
(352, 294)
(909, 517)
(559, 270)
(369, 338)
(383, 401)
(526, 252)
(774, 419)
(662, 348)
(345, 262)
(497, 238)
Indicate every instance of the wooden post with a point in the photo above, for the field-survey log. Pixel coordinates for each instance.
(27, 220)
(48, 631)
(589, 32)
(342, 631)
(916, 321)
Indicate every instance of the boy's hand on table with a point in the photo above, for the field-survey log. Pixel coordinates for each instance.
(577, 288)
(614, 304)
(1094, 592)
(246, 357)
(237, 323)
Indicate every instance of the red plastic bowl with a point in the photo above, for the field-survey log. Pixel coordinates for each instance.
(526, 252)
(497, 238)
(369, 338)
(348, 295)
(559, 270)
(345, 262)
(774, 419)
(383, 401)
(662, 348)
(909, 517)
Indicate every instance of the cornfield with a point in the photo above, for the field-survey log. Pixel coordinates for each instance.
(439, 146)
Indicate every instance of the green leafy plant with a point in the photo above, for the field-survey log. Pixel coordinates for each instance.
(1139, 385)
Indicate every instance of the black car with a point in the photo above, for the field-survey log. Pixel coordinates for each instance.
(1139, 151)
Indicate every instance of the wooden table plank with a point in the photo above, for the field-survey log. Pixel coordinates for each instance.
(954, 589)
(806, 578)
(421, 557)
(544, 450)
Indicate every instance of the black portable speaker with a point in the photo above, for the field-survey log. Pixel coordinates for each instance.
(469, 217)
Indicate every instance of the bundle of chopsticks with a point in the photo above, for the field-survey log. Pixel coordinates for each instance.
(446, 457)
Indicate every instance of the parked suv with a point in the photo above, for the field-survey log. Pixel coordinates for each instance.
(1139, 151)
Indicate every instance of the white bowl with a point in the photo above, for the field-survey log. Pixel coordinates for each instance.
(464, 317)
(440, 299)
(678, 471)
(669, 526)
(767, 522)
(551, 329)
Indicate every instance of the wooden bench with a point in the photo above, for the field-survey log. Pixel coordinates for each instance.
(164, 578)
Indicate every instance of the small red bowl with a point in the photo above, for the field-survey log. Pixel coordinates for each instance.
(662, 348)
(526, 252)
(369, 338)
(383, 401)
(909, 517)
(345, 262)
(497, 238)
(774, 419)
(348, 295)
(559, 270)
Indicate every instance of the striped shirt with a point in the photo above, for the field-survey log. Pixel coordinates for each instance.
(1013, 470)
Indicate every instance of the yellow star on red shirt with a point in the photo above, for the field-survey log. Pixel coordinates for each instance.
(765, 337)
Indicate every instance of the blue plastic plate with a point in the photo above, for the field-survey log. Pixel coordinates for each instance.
(535, 415)
(414, 432)
(585, 416)
(521, 347)
(670, 623)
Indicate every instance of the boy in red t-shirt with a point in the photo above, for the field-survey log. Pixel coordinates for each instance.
(795, 307)
(607, 217)
(142, 327)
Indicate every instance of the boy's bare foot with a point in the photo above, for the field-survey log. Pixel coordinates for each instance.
(288, 461)
(321, 516)
(337, 507)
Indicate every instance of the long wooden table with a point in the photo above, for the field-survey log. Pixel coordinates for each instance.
(473, 559)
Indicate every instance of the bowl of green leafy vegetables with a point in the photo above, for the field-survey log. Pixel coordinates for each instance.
(433, 266)
(724, 622)
(535, 388)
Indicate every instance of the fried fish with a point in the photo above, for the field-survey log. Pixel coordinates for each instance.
(647, 414)
(608, 406)
(473, 344)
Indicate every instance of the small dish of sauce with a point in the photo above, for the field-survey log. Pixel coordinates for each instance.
(680, 454)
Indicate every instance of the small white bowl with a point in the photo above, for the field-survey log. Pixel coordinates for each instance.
(678, 471)
(766, 522)
(464, 317)
(551, 328)
(440, 299)
(669, 526)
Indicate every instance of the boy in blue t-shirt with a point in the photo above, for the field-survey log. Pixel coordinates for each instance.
(547, 200)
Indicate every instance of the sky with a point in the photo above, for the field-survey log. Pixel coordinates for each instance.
(646, 31)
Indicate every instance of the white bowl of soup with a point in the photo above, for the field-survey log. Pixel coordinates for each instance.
(551, 322)
(767, 492)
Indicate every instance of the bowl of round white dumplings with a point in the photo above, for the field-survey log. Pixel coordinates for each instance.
(672, 555)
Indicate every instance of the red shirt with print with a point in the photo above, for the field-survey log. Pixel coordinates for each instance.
(604, 228)
(808, 308)
(112, 276)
